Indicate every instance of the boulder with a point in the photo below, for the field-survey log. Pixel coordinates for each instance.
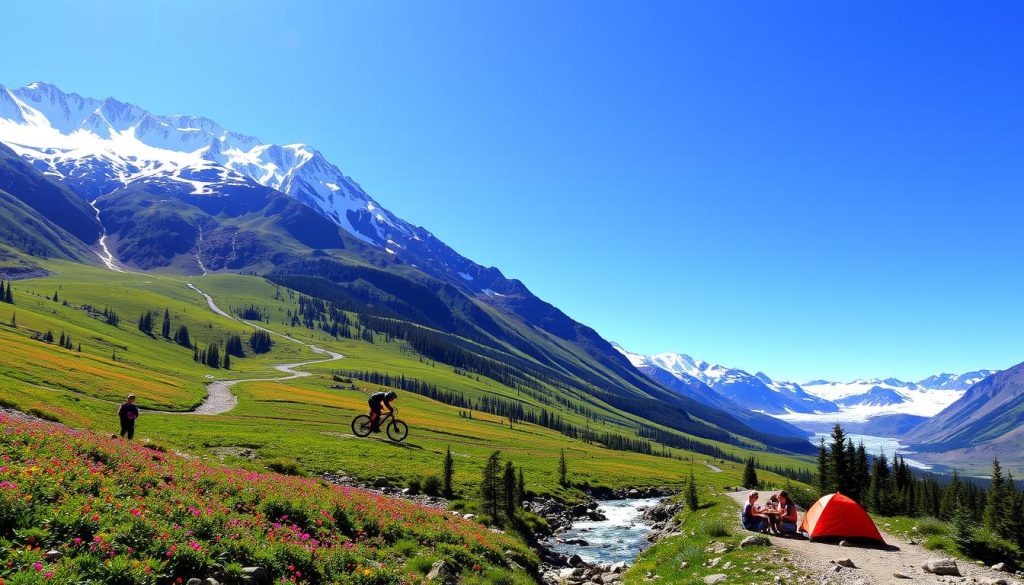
(715, 579)
(576, 561)
(941, 567)
(440, 573)
(577, 542)
(193, 581)
(755, 540)
(210, 581)
(843, 543)
(617, 567)
(848, 563)
(610, 578)
(999, 567)
(256, 575)
(381, 482)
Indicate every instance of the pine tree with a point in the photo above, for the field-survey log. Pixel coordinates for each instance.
(490, 486)
(839, 468)
(61, 343)
(227, 361)
(48, 338)
(165, 329)
(181, 337)
(509, 492)
(850, 454)
(996, 506)
(9, 298)
(79, 350)
(521, 485)
(861, 472)
(448, 473)
(750, 475)
(563, 470)
(691, 493)
(56, 299)
(824, 483)
(950, 499)
(195, 354)
(146, 323)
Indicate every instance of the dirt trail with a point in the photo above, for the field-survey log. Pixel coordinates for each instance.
(875, 566)
(220, 399)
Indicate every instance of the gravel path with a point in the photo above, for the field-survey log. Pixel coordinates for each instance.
(220, 399)
(875, 566)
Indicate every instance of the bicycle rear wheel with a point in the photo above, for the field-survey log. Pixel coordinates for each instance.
(361, 426)
(398, 431)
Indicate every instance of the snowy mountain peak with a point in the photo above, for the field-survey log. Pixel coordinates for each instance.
(99, 145)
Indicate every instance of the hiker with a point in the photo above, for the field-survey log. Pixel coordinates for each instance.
(773, 517)
(128, 413)
(750, 518)
(786, 523)
(378, 400)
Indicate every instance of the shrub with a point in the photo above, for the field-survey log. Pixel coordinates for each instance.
(987, 547)
(932, 527)
(432, 485)
(414, 486)
(285, 466)
(715, 528)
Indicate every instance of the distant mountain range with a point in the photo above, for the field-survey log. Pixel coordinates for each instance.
(82, 178)
(817, 401)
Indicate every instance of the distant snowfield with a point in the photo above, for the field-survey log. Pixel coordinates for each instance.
(917, 401)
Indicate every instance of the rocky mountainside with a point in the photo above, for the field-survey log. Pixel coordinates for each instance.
(180, 193)
(990, 412)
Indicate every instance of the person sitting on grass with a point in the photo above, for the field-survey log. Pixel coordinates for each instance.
(377, 401)
(750, 517)
(787, 520)
(128, 413)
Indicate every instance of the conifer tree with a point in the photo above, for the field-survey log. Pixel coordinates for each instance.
(521, 485)
(61, 343)
(511, 497)
(563, 470)
(165, 329)
(9, 297)
(181, 337)
(839, 468)
(491, 485)
(750, 475)
(447, 474)
(950, 498)
(824, 483)
(14, 320)
(996, 506)
(692, 501)
(56, 299)
(227, 361)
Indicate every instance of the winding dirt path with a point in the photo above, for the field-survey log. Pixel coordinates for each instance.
(875, 566)
(220, 398)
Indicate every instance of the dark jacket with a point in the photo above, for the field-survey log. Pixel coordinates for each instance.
(128, 412)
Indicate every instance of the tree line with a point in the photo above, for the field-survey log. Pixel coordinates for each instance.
(6, 295)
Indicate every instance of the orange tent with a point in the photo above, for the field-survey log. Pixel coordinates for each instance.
(837, 516)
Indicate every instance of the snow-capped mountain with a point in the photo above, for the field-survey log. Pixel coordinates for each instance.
(98, 145)
(818, 400)
(756, 392)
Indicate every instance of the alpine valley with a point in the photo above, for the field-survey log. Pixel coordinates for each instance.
(104, 183)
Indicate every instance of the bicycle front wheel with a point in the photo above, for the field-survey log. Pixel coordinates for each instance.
(361, 426)
(398, 431)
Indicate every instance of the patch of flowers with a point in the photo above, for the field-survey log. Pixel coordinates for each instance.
(76, 507)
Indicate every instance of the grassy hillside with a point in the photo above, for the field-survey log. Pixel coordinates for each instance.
(305, 420)
(123, 513)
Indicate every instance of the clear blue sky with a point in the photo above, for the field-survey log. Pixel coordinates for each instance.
(812, 189)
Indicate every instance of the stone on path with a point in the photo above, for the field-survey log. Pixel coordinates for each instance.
(942, 567)
(714, 579)
(848, 563)
(755, 540)
(991, 581)
(999, 567)
(843, 543)
(899, 575)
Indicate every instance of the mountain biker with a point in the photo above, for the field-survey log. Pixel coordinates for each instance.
(377, 400)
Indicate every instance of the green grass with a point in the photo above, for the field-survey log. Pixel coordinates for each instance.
(683, 559)
(303, 422)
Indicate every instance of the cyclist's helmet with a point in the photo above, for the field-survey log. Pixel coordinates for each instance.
(391, 395)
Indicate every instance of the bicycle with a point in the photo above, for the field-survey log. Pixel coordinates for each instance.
(397, 430)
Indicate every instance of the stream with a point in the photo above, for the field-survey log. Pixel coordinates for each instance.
(621, 537)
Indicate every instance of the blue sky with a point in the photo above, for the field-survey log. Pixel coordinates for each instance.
(809, 189)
